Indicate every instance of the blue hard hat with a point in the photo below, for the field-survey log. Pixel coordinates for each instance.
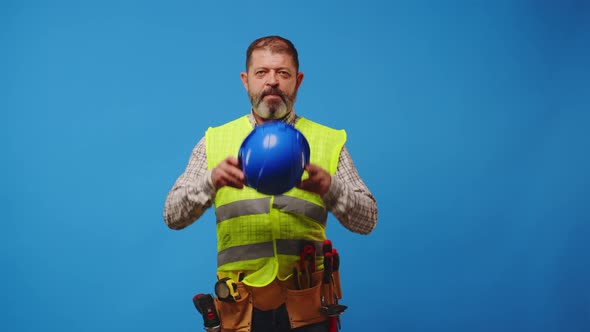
(273, 157)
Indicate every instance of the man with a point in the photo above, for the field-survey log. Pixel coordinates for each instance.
(259, 236)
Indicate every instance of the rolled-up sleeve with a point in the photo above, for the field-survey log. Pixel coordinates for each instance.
(349, 199)
(192, 193)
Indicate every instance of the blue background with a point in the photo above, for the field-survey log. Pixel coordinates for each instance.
(468, 120)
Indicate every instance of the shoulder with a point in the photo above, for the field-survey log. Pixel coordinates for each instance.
(241, 121)
(315, 127)
(308, 122)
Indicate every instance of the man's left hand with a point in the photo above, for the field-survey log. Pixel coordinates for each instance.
(319, 180)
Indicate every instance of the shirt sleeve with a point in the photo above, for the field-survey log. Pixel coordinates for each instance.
(192, 193)
(349, 199)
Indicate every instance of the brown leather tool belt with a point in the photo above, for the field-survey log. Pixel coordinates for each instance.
(303, 305)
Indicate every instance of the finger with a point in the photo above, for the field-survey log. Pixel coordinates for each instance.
(235, 183)
(235, 173)
(227, 175)
(231, 181)
(232, 161)
(311, 168)
(231, 166)
(318, 181)
(305, 185)
(314, 170)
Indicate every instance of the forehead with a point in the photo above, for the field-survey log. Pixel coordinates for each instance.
(267, 58)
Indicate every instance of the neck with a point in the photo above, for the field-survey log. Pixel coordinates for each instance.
(289, 118)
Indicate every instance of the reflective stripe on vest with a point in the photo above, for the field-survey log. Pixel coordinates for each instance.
(264, 249)
(242, 208)
(262, 205)
(302, 207)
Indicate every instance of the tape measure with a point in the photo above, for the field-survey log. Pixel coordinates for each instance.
(226, 289)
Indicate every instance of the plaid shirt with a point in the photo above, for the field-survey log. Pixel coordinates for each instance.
(348, 198)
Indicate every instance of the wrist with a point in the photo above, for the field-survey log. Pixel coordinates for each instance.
(209, 187)
(333, 192)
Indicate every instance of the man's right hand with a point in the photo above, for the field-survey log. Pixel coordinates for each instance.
(228, 173)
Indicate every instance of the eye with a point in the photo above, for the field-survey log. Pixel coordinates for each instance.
(259, 73)
(284, 74)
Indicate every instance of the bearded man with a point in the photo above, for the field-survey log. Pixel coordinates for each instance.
(259, 237)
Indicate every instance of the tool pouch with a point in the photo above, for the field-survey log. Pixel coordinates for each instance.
(303, 305)
(236, 316)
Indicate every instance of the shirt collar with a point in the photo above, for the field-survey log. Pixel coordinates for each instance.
(290, 119)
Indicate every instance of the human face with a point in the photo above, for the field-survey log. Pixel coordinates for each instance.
(272, 82)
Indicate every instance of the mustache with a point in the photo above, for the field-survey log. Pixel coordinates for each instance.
(273, 91)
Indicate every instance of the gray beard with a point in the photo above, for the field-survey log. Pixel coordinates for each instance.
(273, 112)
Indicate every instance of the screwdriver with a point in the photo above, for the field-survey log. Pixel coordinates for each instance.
(307, 261)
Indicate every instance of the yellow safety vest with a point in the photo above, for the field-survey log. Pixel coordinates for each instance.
(262, 235)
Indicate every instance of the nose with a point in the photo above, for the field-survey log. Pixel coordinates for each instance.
(272, 79)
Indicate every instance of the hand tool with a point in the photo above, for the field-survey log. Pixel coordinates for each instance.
(335, 260)
(328, 263)
(226, 289)
(327, 246)
(330, 306)
(307, 261)
(335, 267)
(296, 277)
(206, 307)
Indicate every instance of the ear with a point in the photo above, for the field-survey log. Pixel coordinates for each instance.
(299, 79)
(244, 77)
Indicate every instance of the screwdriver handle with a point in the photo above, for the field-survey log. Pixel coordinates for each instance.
(335, 260)
(328, 263)
(307, 258)
(327, 246)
